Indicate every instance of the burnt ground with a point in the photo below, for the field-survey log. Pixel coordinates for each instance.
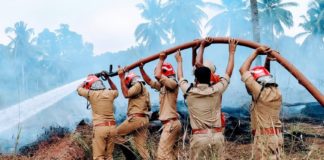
(303, 139)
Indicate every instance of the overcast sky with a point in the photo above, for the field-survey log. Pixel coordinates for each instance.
(108, 24)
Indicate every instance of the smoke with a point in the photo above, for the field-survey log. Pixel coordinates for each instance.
(37, 92)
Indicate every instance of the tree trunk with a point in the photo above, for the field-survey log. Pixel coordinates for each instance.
(255, 25)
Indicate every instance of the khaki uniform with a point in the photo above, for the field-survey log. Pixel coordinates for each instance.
(102, 112)
(138, 103)
(204, 105)
(265, 112)
(168, 89)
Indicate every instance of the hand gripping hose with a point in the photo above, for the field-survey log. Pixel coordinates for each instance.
(287, 65)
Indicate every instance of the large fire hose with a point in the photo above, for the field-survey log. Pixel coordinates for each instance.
(287, 65)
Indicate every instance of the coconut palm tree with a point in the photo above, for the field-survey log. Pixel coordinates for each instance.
(314, 25)
(21, 42)
(231, 21)
(153, 32)
(184, 19)
(274, 15)
(24, 56)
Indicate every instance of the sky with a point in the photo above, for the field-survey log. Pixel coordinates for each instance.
(108, 24)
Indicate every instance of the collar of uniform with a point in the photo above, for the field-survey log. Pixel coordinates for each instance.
(202, 86)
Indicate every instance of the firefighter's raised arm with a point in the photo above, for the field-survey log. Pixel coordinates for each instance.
(247, 64)
(158, 72)
(179, 62)
(194, 53)
(123, 86)
(146, 78)
(231, 49)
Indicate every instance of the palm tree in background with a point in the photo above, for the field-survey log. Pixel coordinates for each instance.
(153, 32)
(314, 25)
(23, 55)
(22, 39)
(183, 18)
(231, 21)
(274, 15)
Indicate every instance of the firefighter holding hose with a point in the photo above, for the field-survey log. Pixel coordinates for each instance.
(139, 106)
(104, 125)
(214, 77)
(265, 108)
(167, 86)
(204, 107)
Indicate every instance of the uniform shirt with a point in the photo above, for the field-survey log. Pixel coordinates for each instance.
(101, 103)
(138, 99)
(204, 103)
(168, 88)
(266, 109)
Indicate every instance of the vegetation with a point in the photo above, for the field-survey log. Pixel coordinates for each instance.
(233, 20)
(314, 26)
(32, 63)
(37, 62)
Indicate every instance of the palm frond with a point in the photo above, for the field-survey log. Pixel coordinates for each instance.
(9, 29)
(299, 35)
(214, 6)
(287, 4)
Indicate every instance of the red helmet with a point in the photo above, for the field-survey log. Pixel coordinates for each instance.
(167, 69)
(129, 77)
(259, 71)
(89, 81)
(214, 78)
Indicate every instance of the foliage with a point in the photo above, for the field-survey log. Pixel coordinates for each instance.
(183, 17)
(313, 25)
(32, 65)
(233, 20)
(274, 15)
(153, 32)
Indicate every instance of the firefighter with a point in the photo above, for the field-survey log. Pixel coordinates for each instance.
(264, 109)
(215, 78)
(167, 85)
(203, 99)
(139, 106)
(104, 125)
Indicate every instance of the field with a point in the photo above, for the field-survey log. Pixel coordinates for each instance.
(302, 141)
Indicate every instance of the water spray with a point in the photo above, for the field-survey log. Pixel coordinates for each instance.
(32, 106)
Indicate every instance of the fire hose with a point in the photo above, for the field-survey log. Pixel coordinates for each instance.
(223, 40)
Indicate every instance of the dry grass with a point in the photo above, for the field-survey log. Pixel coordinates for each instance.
(78, 145)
